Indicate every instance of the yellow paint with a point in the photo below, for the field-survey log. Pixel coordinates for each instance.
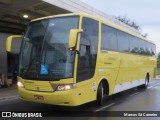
(9, 41)
(115, 67)
(73, 37)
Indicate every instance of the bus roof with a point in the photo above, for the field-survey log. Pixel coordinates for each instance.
(111, 24)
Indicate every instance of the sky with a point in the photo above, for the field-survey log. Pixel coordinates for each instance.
(146, 13)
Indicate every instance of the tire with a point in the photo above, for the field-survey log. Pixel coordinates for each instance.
(146, 83)
(0, 83)
(100, 94)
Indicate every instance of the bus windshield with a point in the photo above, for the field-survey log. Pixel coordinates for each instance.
(44, 52)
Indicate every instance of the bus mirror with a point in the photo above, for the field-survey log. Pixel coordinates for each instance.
(73, 36)
(9, 41)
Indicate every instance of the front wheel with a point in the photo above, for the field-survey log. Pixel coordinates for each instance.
(100, 94)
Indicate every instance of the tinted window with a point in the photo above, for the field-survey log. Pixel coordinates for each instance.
(134, 46)
(84, 56)
(142, 47)
(148, 48)
(88, 50)
(123, 41)
(116, 40)
(109, 40)
(45, 49)
(153, 49)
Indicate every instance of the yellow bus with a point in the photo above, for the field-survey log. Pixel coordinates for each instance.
(73, 59)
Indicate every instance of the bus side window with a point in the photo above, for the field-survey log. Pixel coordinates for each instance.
(84, 56)
(88, 50)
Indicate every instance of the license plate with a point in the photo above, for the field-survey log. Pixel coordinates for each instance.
(38, 97)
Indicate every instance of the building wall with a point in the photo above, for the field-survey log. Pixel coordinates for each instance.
(3, 54)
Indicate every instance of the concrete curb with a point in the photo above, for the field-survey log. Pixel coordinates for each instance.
(9, 98)
(8, 88)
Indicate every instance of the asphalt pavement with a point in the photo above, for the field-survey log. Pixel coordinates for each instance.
(130, 100)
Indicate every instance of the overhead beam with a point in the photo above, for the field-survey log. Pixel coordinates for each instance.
(5, 1)
(31, 13)
(12, 23)
(11, 28)
(15, 18)
(10, 31)
(18, 5)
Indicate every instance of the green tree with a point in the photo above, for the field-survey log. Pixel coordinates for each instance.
(132, 24)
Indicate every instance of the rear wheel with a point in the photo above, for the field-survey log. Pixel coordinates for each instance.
(146, 82)
(100, 94)
(0, 83)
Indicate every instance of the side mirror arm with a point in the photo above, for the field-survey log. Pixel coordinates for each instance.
(77, 52)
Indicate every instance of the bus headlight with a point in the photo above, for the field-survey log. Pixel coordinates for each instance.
(65, 87)
(20, 84)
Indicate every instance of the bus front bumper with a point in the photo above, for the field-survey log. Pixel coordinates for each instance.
(63, 98)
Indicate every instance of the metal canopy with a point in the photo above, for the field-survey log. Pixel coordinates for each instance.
(12, 11)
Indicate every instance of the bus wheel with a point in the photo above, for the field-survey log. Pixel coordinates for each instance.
(100, 94)
(0, 83)
(145, 85)
(146, 82)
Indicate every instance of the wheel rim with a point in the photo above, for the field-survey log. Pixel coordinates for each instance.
(146, 82)
(102, 93)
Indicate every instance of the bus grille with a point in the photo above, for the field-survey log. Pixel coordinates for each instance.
(37, 87)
